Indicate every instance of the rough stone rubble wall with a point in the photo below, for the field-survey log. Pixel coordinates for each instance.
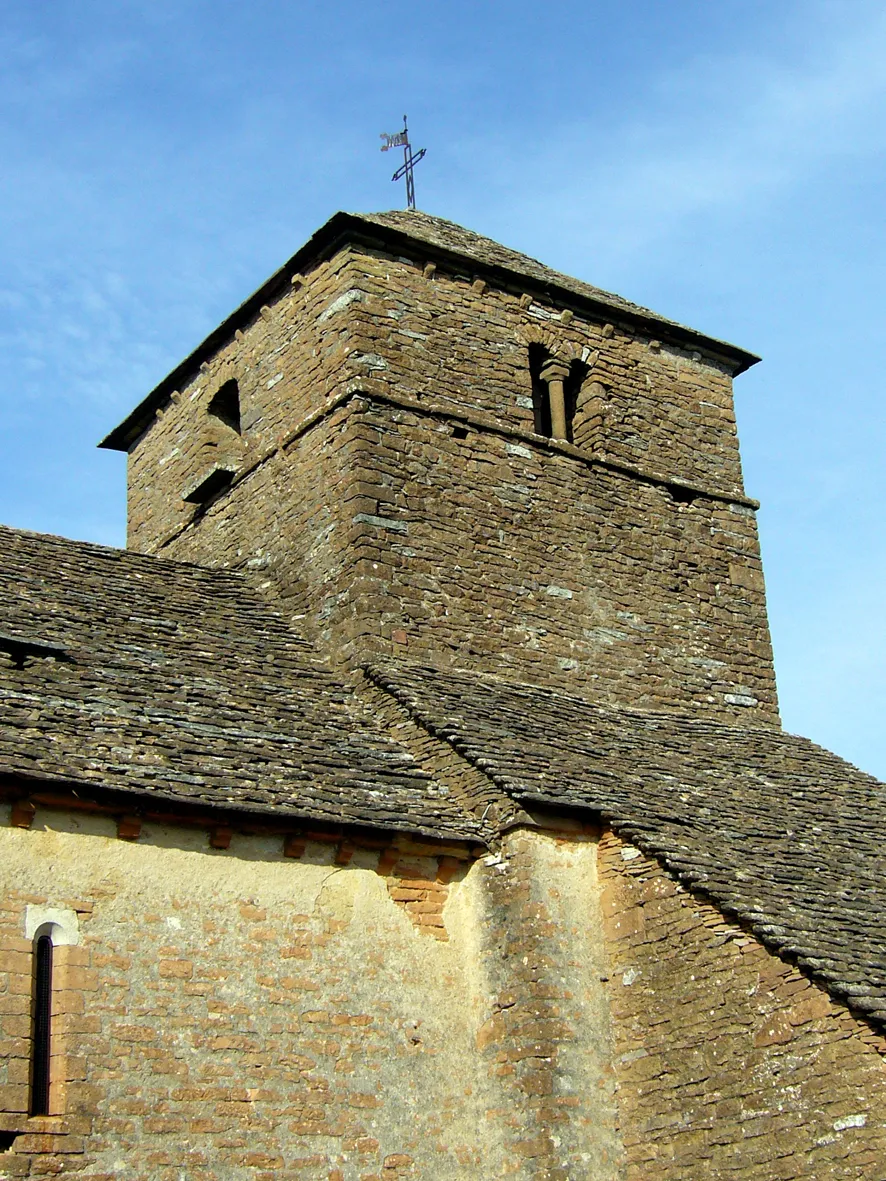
(391, 537)
(453, 337)
(391, 533)
(286, 362)
(360, 315)
(729, 1062)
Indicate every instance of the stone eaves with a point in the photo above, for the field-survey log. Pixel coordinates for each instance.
(772, 828)
(452, 245)
(165, 681)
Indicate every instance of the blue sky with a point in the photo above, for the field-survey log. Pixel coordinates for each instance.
(720, 162)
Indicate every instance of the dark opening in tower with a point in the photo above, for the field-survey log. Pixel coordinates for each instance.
(225, 405)
(541, 406)
(575, 379)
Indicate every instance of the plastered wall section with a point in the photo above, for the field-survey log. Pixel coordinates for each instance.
(729, 1062)
(234, 1014)
(395, 534)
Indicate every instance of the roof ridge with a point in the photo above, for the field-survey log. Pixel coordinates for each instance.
(399, 219)
(123, 553)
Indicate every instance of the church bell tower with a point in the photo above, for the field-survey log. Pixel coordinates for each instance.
(428, 448)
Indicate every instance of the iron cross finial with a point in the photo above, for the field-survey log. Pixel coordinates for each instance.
(401, 140)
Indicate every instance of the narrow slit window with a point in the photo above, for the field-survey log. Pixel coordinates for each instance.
(578, 373)
(541, 406)
(225, 405)
(41, 1048)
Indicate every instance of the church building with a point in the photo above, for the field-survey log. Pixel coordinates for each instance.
(409, 799)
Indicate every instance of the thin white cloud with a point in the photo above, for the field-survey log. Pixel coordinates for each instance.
(716, 136)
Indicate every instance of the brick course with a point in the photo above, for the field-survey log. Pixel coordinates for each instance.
(243, 1014)
(237, 1013)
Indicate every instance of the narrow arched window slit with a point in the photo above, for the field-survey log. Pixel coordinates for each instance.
(41, 1030)
(572, 387)
(541, 407)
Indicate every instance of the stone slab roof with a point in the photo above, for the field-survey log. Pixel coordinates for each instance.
(165, 680)
(399, 230)
(775, 830)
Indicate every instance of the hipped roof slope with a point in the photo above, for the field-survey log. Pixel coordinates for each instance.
(160, 680)
(775, 830)
(168, 681)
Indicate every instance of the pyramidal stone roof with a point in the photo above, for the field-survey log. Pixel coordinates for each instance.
(776, 831)
(162, 680)
(453, 245)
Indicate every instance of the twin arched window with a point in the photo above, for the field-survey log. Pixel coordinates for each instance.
(556, 385)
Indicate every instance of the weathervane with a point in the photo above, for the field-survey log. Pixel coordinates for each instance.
(401, 140)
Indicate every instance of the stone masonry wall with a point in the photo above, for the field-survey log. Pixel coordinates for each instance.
(396, 532)
(359, 315)
(453, 337)
(287, 362)
(440, 526)
(350, 1014)
(729, 1062)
